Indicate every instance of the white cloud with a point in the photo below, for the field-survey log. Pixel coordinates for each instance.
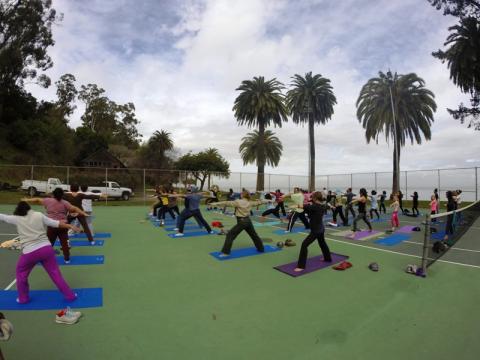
(182, 73)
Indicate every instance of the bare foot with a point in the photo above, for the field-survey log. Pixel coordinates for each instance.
(298, 269)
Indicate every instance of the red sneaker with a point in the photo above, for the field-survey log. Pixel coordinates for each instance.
(344, 265)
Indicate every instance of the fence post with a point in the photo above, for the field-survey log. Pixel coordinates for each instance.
(106, 185)
(144, 189)
(438, 181)
(288, 184)
(476, 183)
(376, 182)
(328, 182)
(240, 182)
(406, 183)
(68, 175)
(351, 181)
(269, 176)
(31, 173)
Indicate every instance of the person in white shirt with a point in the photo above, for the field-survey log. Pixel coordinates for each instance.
(36, 248)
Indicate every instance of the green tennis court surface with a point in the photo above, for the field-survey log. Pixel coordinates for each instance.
(169, 299)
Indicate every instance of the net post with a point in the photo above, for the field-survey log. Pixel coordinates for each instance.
(426, 239)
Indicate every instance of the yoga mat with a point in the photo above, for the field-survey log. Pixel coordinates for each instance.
(84, 236)
(393, 239)
(266, 223)
(438, 235)
(313, 264)
(245, 252)
(295, 230)
(407, 229)
(74, 243)
(192, 234)
(363, 235)
(52, 299)
(187, 227)
(82, 260)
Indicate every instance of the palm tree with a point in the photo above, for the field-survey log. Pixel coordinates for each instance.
(398, 106)
(311, 101)
(158, 144)
(260, 104)
(462, 57)
(272, 146)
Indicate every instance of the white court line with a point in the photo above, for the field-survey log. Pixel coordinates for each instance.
(11, 285)
(385, 250)
(8, 234)
(15, 280)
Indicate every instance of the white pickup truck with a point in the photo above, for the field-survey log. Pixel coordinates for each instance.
(34, 187)
(112, 189)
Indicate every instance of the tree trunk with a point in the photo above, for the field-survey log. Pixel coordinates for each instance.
(311, 143)
(396, 171)
(261, 157)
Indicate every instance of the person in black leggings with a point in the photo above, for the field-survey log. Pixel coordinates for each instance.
(400, 200)
(317, 230)
(362, 209)
(382, 202)
(415, 203)
(349, 208)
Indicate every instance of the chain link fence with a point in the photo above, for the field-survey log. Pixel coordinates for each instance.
(140, 183)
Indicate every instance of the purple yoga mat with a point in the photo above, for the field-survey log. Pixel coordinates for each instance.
(359, 235)
(313, 264)
(407, 229)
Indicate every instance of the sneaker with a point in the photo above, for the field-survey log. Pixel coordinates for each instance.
(66, 261)
(223, 255)
(344, 265)
(287, 231)
(176, 229)
(211, 232)
(92, 243)
(67, 316)
(178, 234)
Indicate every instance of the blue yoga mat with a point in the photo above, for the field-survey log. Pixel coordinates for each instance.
(96, 235)
(82, 243)
(240, 253)
(52, 299)
(393, 239)
(188, 227)
(378, 220)
(438, 235)
(294, 231)
(82, 260)
(192, 234)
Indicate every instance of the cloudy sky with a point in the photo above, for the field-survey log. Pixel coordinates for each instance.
(180, 62)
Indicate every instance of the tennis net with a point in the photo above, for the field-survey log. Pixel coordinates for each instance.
(442, 231)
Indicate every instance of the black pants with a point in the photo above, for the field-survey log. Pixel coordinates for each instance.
(320, 237)
(415, 208)
(339, 211)
(163, 210)
(382, 206)
(157, 206)
(243, 223)
(374, 211)
(187, 214)
(349, 208)
(361, 216)
(274, 211)
(175, 209)
(294, 217)
(281, 206)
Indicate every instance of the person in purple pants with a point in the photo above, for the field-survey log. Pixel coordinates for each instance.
(36, 248)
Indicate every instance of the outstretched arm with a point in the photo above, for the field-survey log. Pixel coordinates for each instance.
(36, 201)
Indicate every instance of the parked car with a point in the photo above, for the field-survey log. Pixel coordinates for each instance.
(112, 189)
(35, 187)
